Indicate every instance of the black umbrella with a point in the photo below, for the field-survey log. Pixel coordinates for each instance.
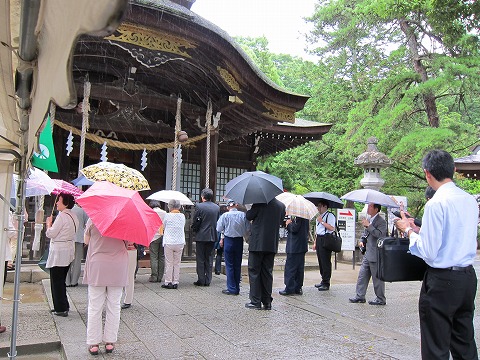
(253, 187)
(316, 196)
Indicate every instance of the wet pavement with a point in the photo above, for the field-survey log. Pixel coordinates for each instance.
(202, 323)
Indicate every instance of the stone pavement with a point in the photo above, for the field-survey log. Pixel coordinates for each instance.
(202, 323)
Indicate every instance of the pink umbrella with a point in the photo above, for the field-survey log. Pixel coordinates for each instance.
(120, 213)
(65, 187)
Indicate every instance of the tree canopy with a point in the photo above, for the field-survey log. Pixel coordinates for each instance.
(404, 71)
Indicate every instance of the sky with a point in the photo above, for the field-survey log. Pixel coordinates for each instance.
(280, 21)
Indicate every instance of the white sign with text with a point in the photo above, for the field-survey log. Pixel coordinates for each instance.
(346, 225)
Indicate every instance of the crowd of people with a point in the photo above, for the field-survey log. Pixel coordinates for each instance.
(446, 241)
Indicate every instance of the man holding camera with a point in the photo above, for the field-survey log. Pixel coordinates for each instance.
(447, 242)
(375, 228)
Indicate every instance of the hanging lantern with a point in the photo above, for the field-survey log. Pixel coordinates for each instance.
(182, 136)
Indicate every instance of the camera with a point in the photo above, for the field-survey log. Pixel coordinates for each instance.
(363, 240)
(416, 221)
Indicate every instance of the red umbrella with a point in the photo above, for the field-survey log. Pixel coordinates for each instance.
(65, 187)
(120, 213)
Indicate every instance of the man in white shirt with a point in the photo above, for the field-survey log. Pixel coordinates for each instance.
(325, 224)
(447, 242)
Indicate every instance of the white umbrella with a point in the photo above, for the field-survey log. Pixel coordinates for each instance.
(167, 195)
(366, 196)
(297, 205)
(37, 183)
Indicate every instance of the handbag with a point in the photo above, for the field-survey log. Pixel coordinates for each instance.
(396, 263)
(42, 263)
(332, 241)
(196, 224)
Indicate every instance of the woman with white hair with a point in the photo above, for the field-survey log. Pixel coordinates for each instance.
(173, 243)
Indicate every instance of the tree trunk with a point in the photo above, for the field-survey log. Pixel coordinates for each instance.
(429, 97)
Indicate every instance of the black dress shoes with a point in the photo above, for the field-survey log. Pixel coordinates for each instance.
(217, 272)
(226, 292)
(299, 292)
(267, 306)
(377, 301)
(175, 286)
(323, 287)
(125, 306)
(285, 293)
(356, 299)
(168, 286)
(61, 313)
(198, 283)
(251, 305)
(318, 285)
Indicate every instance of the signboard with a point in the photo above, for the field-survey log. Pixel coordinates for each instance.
(346, 225)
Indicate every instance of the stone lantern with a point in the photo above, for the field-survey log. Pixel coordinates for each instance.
(372, 161)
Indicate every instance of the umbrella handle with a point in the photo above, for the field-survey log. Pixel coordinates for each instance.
(53, 207)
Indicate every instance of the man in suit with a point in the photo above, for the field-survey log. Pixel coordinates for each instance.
(375, 228)
(447, 242)
(297, 246)
(207, 214)
(262, 247)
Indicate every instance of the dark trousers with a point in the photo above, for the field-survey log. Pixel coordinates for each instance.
(218, 259)
(58, 275)
(294, 272)
(157, 259)
(324, 261)
(233, 262)
(446, 307)
(204, 261)
(260, 275)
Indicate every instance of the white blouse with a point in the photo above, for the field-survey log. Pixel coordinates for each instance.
(62, 239)
(174, 229)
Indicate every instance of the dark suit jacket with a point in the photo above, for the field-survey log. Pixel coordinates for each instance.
(376, 230)
(208, 213)
(297, 238)
(266, 220)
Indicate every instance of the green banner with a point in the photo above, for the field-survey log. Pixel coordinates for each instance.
(46, 159)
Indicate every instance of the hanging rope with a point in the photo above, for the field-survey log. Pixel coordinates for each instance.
(176, 143)
(209, 129)
(85, 124)
(123, 145)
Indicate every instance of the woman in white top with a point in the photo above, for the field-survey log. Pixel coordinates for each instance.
(173, 243)
(62, 251)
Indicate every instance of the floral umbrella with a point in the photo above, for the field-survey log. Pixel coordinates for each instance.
(67, 188)
(117, 174)
(120, 213)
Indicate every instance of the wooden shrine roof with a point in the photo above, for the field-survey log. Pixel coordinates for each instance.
(162, 51)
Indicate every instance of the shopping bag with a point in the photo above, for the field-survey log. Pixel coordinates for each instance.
(42, 263)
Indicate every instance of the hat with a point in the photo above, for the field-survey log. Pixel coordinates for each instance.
(231, 202)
